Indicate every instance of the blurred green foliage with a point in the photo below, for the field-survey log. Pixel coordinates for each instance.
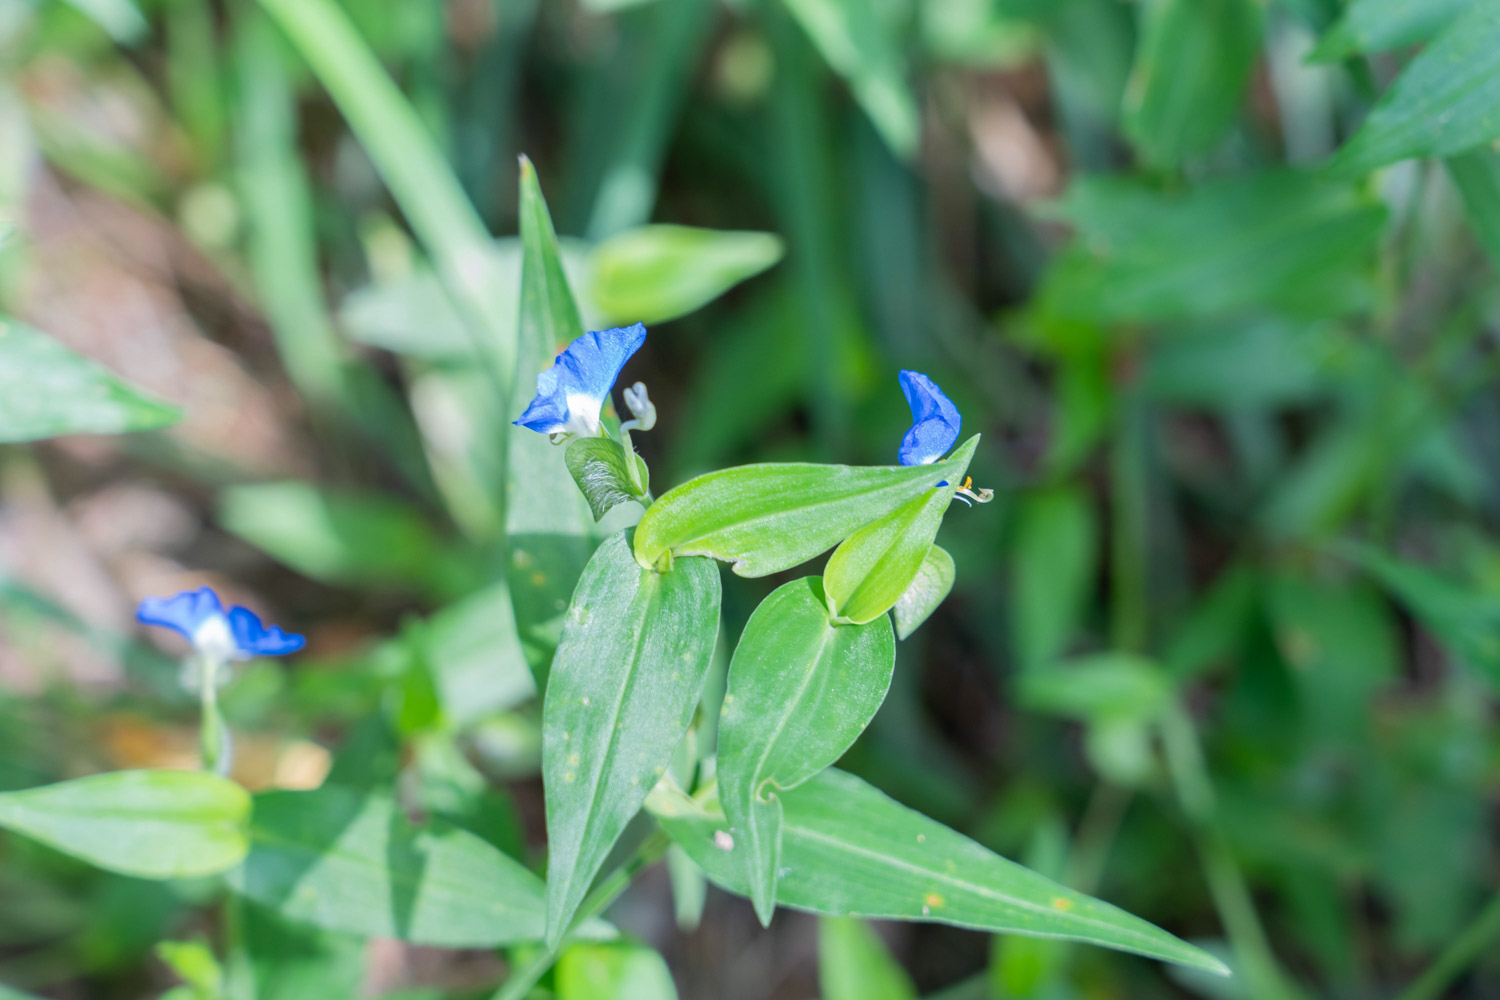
(1216, 279)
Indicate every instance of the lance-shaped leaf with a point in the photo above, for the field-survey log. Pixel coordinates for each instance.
(801, 690)
(1445, 102)
(598, 467)
(343, 860)
(926, 591)
(871, 569)
(850, 850)
(634, 653)
(767, 518)
(152, 824)
(1382, 25)
(656, 273)
(46, 391)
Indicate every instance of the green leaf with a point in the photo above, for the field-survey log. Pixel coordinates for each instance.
(280, 960)
(849, 850)
(598, 467)
(929, 588)
(122, 19)
(801, 690)
(1273, 240)
(152, 824)
(864, 44)
(1190, 74)
(1102, 688)
(48, 391)
(474, 657)
(1446, 101)
(1477, 176)
(1052, 572)
(767, 518)
(347, 861)
(656, 273)
(613, 971)
(548, 313)
(1382, 25)
(1466, 620)
(871, 569)
(634, 653)
(1262, 363)
(334, 536)
(853, 963)
(195, 964)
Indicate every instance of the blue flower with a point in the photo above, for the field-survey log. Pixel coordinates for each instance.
(217, 634)
(570, 394)
(935, 420)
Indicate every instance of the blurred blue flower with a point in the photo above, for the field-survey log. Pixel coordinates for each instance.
(570, 394)
(217, 634)
(935, 421)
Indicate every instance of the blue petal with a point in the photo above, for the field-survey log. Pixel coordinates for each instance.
(255, 639)
(935, 420)
(182, 612)
(585, 371)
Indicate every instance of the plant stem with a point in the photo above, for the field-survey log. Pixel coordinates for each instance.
(1473, 944)
(211, 722)
(595, 903)
(1226, 883)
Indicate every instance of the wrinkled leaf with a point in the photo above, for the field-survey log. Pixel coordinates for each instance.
(657, 273)
(624, 683)
(767, 518)
(929, 588)
(1188, 84)
(801, 690)
(853, 963)
(849, 850)
(614, 971)
(348, 861)
(871, 569)
(48, 391)
(1446, 101)
(598, 467)
(152, 824)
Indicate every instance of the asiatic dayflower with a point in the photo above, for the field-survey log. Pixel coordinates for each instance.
(218, 635)
(935, 426)
(570, 395)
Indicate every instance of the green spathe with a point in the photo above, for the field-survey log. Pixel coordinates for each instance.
(871, 569)
(771, 517)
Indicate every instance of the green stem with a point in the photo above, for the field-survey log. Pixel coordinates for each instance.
(1478, 940)
(1129, 621)
(1226, 883)
(211, 722)
(595, 903)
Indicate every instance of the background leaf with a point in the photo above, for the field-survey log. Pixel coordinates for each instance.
(657, 273)
(350, 861)
(48, 391)
(152, 824)
(613, 972)
(853, 964)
